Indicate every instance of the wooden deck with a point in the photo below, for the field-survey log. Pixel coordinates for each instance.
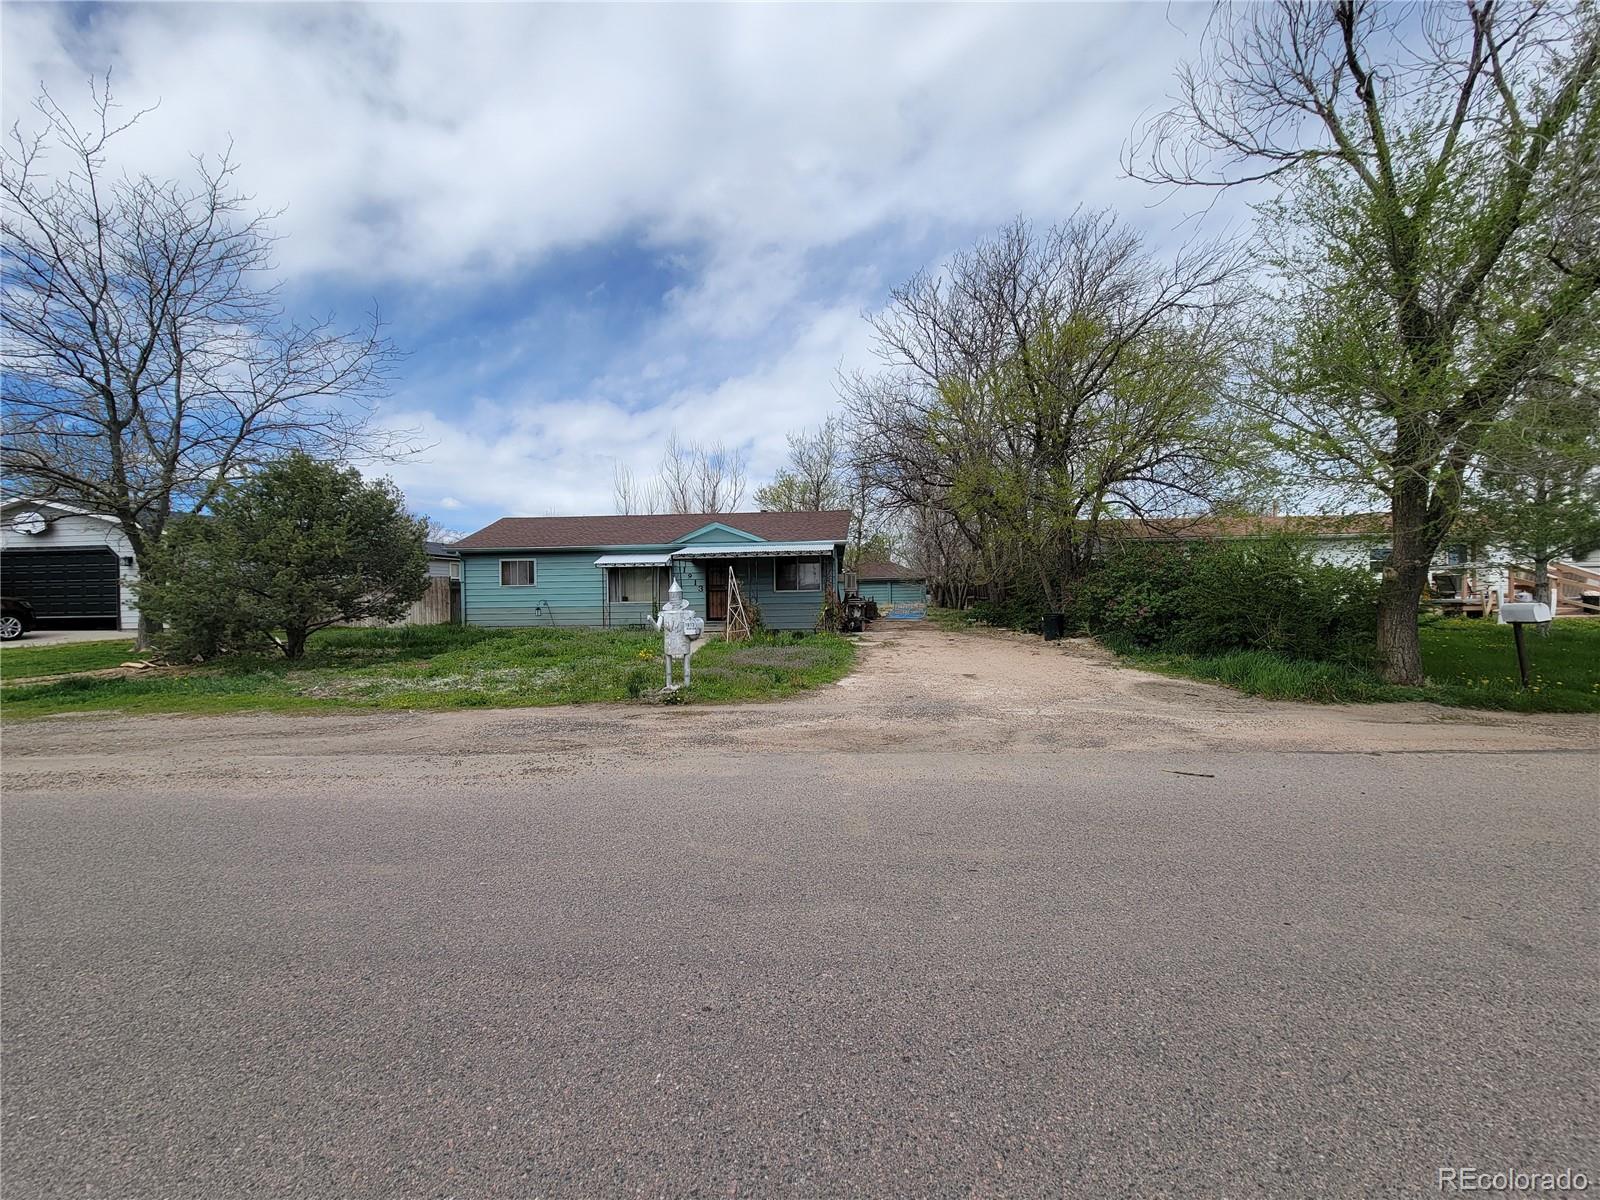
(1575, 591)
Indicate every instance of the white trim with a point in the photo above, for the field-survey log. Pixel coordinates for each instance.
(663, 559)
(757, 550)
(533, 572)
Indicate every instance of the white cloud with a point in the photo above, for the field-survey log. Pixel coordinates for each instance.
(791, 158)
(531, 455)
(431, 142)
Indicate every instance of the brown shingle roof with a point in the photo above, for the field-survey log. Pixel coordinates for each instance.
(1201, 528)
(879, 570)
(657, 529)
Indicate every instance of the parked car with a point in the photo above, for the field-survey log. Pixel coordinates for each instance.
(16, 618)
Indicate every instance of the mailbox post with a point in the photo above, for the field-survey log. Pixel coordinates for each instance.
(679, 626)
(1517, 614)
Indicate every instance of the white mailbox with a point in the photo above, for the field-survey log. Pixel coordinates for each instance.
(1524, 612)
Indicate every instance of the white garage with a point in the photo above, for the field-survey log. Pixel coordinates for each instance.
(74, 567)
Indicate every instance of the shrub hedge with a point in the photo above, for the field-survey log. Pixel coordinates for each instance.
(1215, 597)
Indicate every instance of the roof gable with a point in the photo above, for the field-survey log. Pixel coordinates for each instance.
(718, 531)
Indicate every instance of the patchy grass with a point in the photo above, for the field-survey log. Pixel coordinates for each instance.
(1469, 664)
(452, 666)
(22, 661)
(951, 619)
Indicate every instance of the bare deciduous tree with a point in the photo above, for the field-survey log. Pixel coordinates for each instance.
(147, 360)
(701, 477)
(438, 531)
(1436, 242)
(816, 478)
(630, 497)
(1043, 382)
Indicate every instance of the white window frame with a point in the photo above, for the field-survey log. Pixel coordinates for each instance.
(533, 572)
(778, 587)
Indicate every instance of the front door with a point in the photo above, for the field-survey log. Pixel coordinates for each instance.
(716, 591)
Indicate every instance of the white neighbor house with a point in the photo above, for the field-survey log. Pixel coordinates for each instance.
(77, 570)
(75, 567)
(1463, 577)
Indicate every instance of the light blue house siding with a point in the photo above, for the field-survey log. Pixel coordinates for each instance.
(569, 590)
(785, 610)
(897, 597)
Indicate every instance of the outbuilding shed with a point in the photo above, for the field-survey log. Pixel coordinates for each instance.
(899, 591)
(74, 567)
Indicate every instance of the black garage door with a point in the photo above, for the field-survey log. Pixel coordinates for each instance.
(67, 588)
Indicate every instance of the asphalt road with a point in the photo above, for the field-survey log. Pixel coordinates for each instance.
(554, 968)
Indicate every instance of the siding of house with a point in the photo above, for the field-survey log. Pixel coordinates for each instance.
(1489, 564)
(691, 577)
(568, 590)
(899, 597)
(787, 610)
(70, 531)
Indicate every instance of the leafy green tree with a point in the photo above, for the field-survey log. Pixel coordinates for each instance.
(1537, 491)
(298, 546)
(1045, 381)
(1435, 243)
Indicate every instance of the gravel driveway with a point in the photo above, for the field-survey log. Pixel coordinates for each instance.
(989, 917)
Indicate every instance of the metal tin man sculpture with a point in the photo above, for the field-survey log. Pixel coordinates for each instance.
(679, 626)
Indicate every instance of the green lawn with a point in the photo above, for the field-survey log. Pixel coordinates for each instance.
(21, 661)
(442, 666)
(1469, 664)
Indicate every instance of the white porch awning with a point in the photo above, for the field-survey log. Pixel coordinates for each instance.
(633, 560)
(756, 550)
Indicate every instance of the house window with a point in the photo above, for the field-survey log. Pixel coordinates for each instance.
(798, 575)
(455, 570)
(1456, 554)
(1378, 557)
(632, 585)
(517, 572)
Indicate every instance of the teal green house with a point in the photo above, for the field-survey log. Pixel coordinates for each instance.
(610, 572)
(900, 592)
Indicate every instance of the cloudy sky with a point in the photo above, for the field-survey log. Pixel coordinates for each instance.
(590, 226)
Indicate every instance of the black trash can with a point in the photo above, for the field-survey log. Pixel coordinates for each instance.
(1055, 626)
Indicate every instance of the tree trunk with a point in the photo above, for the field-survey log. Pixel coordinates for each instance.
(1541, 582)
(1399, 646)
(144, 638)
(1542, 591)
(294, 643)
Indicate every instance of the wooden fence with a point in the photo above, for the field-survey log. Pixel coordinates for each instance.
(436, 606)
